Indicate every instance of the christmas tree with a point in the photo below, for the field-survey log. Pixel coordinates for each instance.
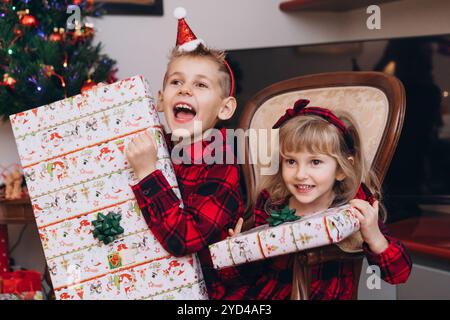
(47, 54)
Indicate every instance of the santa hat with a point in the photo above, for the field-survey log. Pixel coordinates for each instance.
(188, 41)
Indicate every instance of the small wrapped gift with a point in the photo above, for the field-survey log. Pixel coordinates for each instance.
(96, 241)
(21, 285)
(263, 242)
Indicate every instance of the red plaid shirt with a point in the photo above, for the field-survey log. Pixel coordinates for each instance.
(212, 201)
(330, 280)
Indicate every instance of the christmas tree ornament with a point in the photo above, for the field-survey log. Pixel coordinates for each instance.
(8, 81)
(57, 35)
(88, 85)
(88, 30)
(28, 20)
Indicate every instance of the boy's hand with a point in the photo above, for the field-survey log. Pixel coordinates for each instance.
(142, 154)
(368, 220)
(237, 228)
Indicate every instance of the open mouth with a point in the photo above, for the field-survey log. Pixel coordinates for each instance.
(304, 188)
(184, 112)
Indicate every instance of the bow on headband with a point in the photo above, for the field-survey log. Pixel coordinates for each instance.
(328, 115)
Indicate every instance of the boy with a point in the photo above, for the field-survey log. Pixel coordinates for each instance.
(198, 86)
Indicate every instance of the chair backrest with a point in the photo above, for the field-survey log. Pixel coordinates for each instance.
(375, 100)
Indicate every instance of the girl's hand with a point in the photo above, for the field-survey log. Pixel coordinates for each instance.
(142, 154)
(237, 228)
(368, 220)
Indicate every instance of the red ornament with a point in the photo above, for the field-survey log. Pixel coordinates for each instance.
(88, 85)
(8, 81)
(29, 21)
(57, 35)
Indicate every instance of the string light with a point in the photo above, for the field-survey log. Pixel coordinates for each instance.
(10, 52)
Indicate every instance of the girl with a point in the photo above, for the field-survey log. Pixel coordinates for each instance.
(322, 166)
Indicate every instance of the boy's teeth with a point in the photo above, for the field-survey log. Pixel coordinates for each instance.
(183, 106)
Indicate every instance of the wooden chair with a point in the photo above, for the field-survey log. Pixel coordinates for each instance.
(377, 103)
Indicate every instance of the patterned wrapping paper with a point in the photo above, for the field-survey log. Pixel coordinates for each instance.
(73, 158)
(263, 242)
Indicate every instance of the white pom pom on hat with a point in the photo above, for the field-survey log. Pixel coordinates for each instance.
(179, 13)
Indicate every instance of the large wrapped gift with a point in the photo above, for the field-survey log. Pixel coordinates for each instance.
(330, 226)
(95, 239)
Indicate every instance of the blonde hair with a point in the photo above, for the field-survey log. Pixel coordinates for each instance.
(217, 56)
(314, 134)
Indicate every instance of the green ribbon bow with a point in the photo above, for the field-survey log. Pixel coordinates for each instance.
(107, 227)
(281, 216)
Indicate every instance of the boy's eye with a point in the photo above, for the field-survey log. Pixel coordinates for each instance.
(202, 85)
(316, 162)
(175, 82)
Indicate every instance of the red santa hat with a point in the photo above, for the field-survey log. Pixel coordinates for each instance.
(188, 41)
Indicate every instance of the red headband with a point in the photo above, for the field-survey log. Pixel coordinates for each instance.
(328, 115)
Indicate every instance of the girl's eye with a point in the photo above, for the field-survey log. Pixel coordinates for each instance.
(316, 162)
(175, 82)
(290, 162)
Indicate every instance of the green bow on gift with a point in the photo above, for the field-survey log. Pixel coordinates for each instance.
(281, 216)
(107, 227)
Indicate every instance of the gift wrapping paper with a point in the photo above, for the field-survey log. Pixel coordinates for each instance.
(263, 242)
(73, 157)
